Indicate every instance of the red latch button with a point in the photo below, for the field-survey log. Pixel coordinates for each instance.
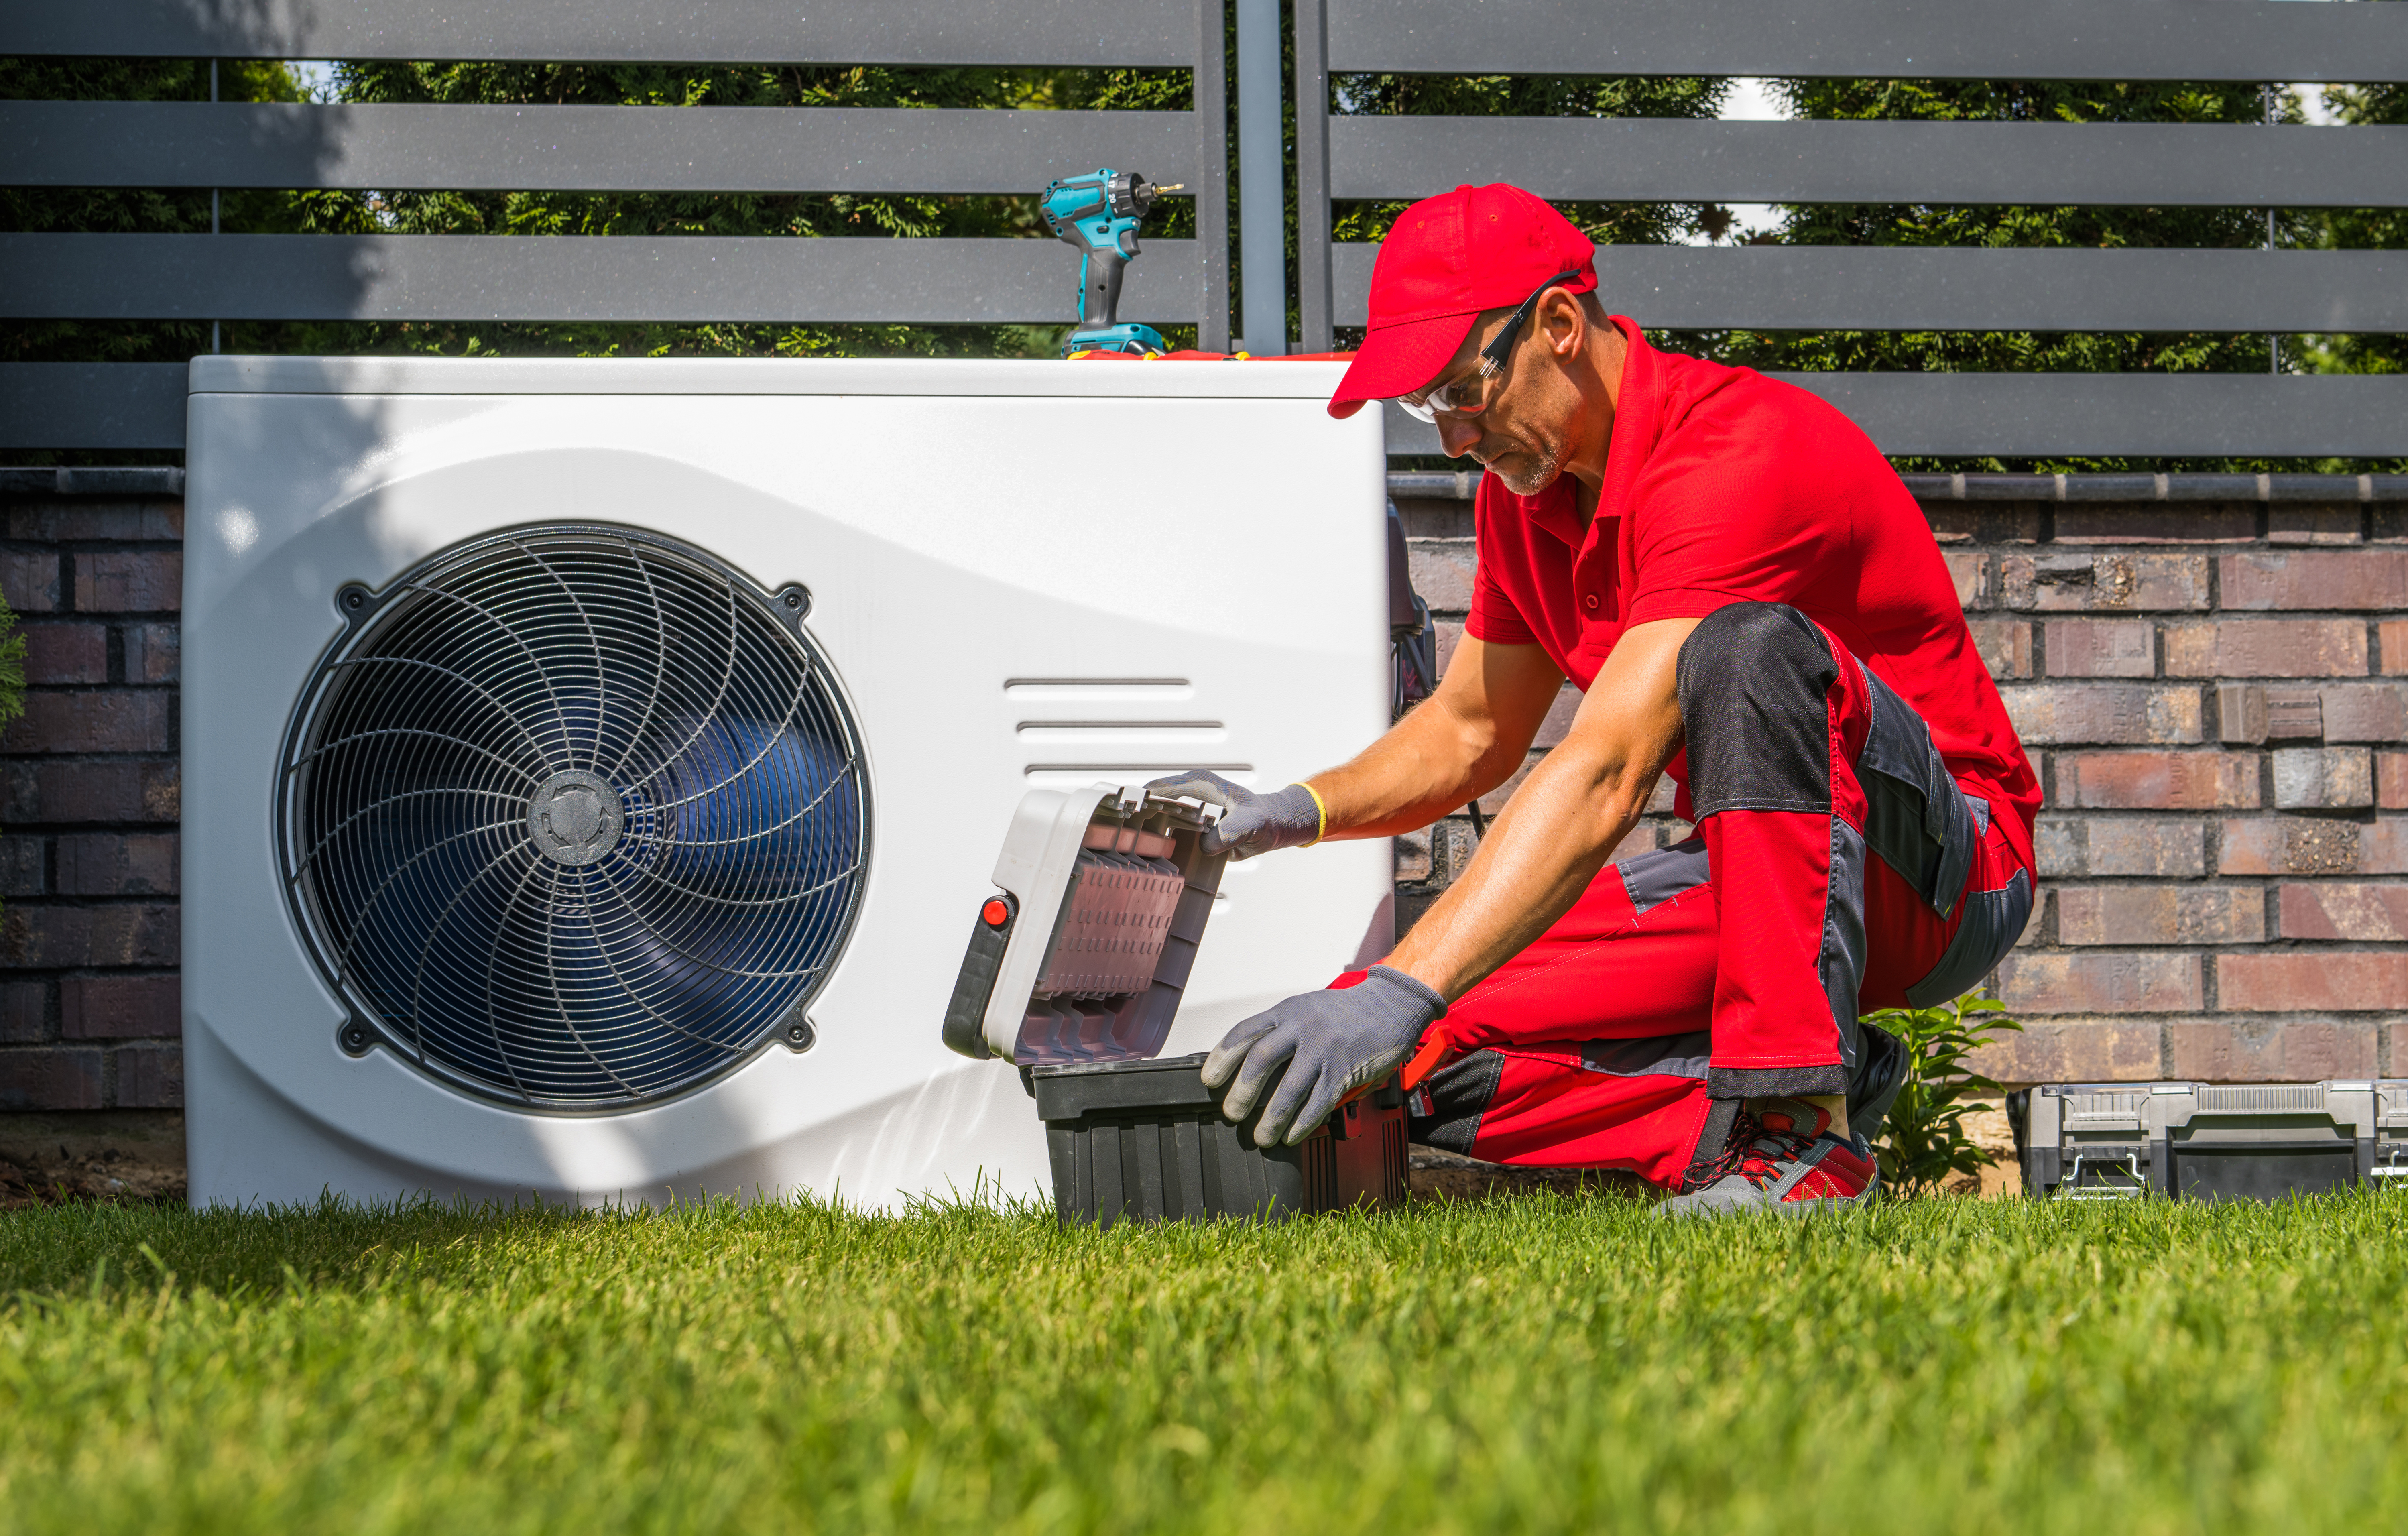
(995, 914)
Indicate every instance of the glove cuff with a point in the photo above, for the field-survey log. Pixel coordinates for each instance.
(1293, 818)
(1430, 999)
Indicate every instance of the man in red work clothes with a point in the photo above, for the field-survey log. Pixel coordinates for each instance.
(1751, 602)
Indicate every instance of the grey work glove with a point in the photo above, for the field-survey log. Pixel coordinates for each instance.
(1330, 1043)
(1249, 823)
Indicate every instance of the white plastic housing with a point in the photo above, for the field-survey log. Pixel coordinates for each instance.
(1025, 575)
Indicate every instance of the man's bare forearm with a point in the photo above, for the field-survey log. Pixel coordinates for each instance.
(1541, 853)
(1562, 824)
(1427, 766)
(1463, 741)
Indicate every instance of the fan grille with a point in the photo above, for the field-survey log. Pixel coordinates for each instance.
(575, 820)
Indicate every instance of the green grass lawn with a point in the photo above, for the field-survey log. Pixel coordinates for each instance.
(1539, 1363)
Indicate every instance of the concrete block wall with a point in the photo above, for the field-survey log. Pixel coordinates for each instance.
(2215, 697)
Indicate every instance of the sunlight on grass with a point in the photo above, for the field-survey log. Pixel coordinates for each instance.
(1540, 1363)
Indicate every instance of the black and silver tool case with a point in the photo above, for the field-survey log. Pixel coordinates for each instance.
(2199, 1140)
(1074, 973)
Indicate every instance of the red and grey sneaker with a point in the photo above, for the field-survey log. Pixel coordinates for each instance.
(1781, 1159)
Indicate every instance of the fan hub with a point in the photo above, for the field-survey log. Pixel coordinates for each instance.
(574, 817)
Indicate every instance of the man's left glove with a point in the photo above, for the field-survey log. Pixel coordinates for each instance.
(1331, 1042)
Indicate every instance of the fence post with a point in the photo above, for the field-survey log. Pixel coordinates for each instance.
(1313, 298)
(1262, 182)
(1213, 157)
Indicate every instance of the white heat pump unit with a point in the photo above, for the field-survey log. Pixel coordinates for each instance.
(592, 769)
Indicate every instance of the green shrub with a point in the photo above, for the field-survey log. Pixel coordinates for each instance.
(1924, 1143)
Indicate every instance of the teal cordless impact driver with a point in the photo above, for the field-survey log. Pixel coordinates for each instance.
(1098, 214)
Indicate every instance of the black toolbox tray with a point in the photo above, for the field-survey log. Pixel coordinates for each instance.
(1145, 1140)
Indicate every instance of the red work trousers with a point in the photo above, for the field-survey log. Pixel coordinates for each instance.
(1837, 867)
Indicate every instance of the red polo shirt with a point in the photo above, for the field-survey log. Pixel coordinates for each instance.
(1724, 486)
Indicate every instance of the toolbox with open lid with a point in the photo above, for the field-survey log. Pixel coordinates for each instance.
(2201, 1140)
(1074, 973)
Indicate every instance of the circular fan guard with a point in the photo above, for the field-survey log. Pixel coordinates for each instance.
(574, 818)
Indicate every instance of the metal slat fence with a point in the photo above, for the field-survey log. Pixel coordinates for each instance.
(1339, 158)
(578, 150)
(1345, 158)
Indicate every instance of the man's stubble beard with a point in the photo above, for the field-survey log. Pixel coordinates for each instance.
(1535, 469)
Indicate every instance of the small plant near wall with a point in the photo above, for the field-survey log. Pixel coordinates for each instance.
(1924, 1143)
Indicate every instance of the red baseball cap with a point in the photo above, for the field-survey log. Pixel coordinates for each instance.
(1446, 259)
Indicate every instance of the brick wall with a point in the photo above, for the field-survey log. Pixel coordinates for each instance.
(88, 1006)
(2216, 696)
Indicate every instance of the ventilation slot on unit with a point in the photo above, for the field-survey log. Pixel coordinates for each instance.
(2088, 1108)
(2306, 1098)
(574, 818)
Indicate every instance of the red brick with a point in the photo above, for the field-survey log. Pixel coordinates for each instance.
(111, 722)
(23, 865)
(117, 864)
(2391, 638)
(1971, 571)
(2118, 845)
(2004, 645)
(1984, 522)
(2157, 781)
(2100, 648)
(2323, 778)
(120, 1007)
(24, 1012)
(2099, 983)
(2263, 1051)
(2298, 845)
(1442, 570)
(2312, 981)
(2160, 914)
(2107, 522)
(67, 653)
(2117, 714)
(2377, 913)
(2391, 780)
(155, 652)
(129, 581)
(48, 1078)
(2127, 583)
(46, 938)
(2357, 579)
(2312, 522)
(30, 579)
(2266, 648)
(151, 1077)
(2364, 712)
(2073, 1051)
(83, 521)
(91, 792)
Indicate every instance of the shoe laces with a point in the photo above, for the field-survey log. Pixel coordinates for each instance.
(1756, 1151)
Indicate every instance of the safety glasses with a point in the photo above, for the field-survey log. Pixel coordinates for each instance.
(1466, 396)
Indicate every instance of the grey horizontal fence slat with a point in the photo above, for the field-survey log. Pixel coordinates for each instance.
(104, 406)
(1646, 160)
(565, 277)
(2053, 414)
(1893, 288)
(907, 32)
(579, 148)
(1922, 40)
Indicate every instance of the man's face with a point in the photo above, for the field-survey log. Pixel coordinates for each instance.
(1523, 433)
